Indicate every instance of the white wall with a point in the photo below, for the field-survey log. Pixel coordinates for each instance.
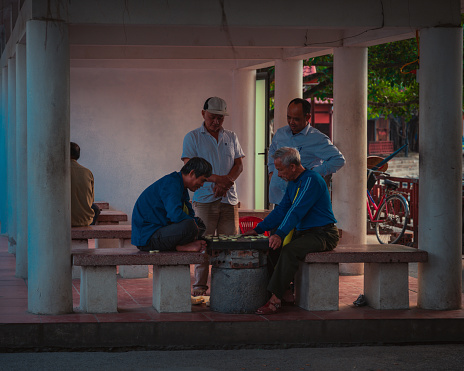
(130, 124)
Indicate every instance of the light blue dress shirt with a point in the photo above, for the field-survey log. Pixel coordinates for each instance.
(221, 154)
(316, 150)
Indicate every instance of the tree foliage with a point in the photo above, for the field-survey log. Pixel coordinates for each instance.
(391, 89)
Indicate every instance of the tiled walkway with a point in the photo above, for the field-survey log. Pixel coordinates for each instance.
(134, 306)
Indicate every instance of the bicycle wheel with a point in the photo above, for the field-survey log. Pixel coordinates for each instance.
(393, 218)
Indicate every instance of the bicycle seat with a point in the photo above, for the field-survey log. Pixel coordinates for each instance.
(390, 184)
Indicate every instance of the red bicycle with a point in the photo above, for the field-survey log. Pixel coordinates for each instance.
(389, 216)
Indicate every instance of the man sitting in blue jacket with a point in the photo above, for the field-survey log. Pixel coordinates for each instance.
(163, 218)
(305, 207)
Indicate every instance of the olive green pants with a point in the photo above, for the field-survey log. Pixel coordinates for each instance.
(313, 240)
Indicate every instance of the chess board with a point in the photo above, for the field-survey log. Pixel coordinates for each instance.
(238, 243)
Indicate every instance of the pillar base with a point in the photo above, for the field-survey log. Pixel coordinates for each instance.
(316, 286)
(78, 244)
(99, 292)
(386, 285)
(171, 288)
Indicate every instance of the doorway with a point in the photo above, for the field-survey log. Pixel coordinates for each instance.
(262, 141)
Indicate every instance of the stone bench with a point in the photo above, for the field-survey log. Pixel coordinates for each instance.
(102, 204)
(171, 277)
(111, 217)
(119, 232)
(385, 275)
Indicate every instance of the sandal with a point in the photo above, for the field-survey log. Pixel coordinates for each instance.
(199, 292)
(269, 308)
(288, 298)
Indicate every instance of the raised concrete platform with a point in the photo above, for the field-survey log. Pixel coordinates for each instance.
(137, 325)
(228, 334)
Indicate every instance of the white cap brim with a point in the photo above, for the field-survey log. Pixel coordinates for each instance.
(217, 112)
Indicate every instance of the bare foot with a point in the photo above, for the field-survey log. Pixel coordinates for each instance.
(195, 246)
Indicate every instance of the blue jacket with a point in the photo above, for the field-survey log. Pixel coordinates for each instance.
(159, 205)
(311, 208)
(316, 150)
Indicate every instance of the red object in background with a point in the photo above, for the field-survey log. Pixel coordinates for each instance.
(249, 222)
(381, 148)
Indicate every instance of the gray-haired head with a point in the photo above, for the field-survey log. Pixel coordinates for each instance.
(288, 155)
(200, 167)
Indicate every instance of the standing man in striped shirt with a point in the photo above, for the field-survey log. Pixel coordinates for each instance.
(306, 209)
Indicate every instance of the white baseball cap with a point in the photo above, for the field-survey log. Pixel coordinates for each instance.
(216, 105)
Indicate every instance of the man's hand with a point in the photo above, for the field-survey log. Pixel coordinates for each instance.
(250, 232)
(219, 191)
(275, 242)
(222, 183)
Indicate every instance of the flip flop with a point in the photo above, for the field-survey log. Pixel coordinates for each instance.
(269, 308)
(199, 292)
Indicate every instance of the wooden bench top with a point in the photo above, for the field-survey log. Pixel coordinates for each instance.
(133, 256)
(116, 231)
(115, 216)
(369, 253)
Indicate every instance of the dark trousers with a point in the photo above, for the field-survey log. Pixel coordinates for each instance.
(96, 210)
(313, 240)
(167, 238)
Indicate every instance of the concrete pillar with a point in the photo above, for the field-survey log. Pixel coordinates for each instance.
(21, 163)
(440, 167)
(350, 136)
(11, 156)
(48, 173)
(242, 123)
(3, 154)
(288, 85)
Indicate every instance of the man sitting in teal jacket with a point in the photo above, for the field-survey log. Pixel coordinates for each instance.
(163, 218)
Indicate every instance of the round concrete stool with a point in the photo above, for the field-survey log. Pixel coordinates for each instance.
(239, 280)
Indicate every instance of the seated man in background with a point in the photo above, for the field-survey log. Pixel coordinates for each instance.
(305, 207)
(83, 210)
(163, 218)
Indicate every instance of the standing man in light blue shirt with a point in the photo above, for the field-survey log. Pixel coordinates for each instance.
(216, 203)
(316, 150)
